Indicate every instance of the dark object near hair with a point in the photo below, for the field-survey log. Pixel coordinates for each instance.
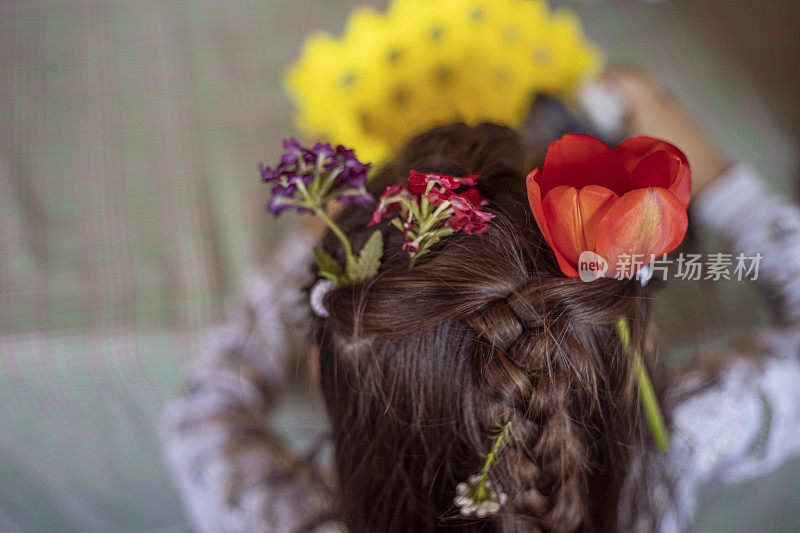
(548, 119)
(420, 366)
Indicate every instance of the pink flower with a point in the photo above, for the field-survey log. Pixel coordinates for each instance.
(437, 196)
(445, 180)
(430, 209)
(391, 202)
(469, 200)
(466, 213)
(471, 224)
(411, 247)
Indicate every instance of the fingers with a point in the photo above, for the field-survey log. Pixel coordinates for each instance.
(652, 111)
(636, 86)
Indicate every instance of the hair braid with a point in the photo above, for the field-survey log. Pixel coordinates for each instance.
(541, 374)
(420, 365)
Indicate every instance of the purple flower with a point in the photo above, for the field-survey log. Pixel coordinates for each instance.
(292, 152)
(279, 204)
(350, 177)
(268, 174)
(325, 150)
(292, 145)
(357, 197)
(346, 174)
(354, 172)
(345, 153)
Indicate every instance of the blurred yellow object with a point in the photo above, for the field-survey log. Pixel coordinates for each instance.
(429, 62)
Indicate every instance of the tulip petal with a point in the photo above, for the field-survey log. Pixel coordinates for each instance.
(658, 169)
(580, 160)
(535, 201)
(644, 223)
(573, 218)
(633, 151)
(594, 202)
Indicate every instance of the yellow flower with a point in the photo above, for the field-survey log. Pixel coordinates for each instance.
(427, 62)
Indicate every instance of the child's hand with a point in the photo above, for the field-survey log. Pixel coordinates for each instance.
(652, 112)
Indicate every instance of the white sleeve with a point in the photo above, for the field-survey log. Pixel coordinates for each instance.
(746, 422)
(233, 474)
(738, 207)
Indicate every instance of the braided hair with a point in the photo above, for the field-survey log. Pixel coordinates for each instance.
(419, 366)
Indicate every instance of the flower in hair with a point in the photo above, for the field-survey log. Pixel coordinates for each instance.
(477, 496)
(443, 180)
(629, 202)
(470, 503)
(432, 206)
(307, 179)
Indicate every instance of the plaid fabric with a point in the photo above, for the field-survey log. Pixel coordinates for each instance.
(130, 207)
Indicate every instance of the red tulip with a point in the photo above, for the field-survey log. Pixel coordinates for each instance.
(627, 205)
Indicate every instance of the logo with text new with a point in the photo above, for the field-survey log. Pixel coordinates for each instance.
(591, 266)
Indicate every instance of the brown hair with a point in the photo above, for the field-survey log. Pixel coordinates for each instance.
(420, 366)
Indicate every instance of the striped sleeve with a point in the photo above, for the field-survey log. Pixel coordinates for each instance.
(756, 223)
(232, 472)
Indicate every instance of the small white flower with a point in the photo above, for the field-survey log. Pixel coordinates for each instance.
(492, 507)
(489, 504)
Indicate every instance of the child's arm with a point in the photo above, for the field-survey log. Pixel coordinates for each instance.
(731, 200)
(233, 474)
(747, 421)
(757, 223)
(743, 423)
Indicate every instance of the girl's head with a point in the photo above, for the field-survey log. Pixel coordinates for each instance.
(421, 366)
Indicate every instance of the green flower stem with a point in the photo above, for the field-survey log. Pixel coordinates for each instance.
(651, 408)
(426, 234)
(648, 396)
(415, 210)
(335, 229)
(327, 184)
(311, 203)
(434, 218)
(481, 493)
(424, 200)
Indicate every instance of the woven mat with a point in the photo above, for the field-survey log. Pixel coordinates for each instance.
(130, 208)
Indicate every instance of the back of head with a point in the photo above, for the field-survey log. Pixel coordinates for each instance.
(421, 365)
